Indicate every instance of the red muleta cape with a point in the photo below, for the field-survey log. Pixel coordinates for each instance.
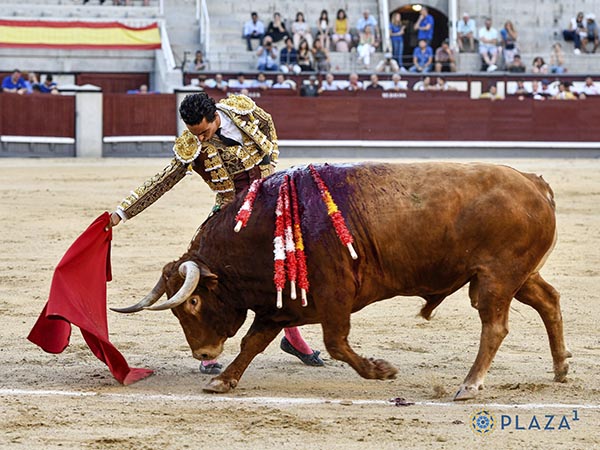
(78, 297)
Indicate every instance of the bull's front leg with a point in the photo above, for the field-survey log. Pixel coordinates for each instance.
(259, 336)
(335, 334)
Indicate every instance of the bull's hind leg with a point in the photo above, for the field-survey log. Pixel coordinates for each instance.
(542, 297)
(493, 303)
(335, 335)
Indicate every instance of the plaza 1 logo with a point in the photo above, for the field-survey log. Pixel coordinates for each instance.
(483, 422)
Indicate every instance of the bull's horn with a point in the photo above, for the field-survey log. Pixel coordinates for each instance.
(191, 272)
(150, 299)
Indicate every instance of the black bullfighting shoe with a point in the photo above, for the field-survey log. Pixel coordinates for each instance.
(310, 360)
(211, 369)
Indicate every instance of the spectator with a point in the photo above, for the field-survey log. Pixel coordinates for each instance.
(288, 57)
(329, 84)
(282, 83)
(305, 57)
(142, 90)
(240, 82)
(517, 66)
(276, 29)
(491, 94)
(564, 92)
(397, 37)
(557, 59)
(577, 29)
(488, 45)
(311, 89)
(424, 26)
(341, 38)
(387, 64)
(442, 85)
(397, 84)
(521, 89)
(261, 82)
(589, 88)
(366, 19)
(267, 55)
(217, 83)
(14, 83)
(465, 30)
(49, 86)
(591, 34)
(324, 30)
(422, 58)
(374, 86)
(253, 29)
(508, 36)
(547, 90)
(198, 64)
(366, 46)
(31, 82)
(320, 57)
(301, 31)
(444, 58)
(353, 83)
(539, 65)
(424, 85)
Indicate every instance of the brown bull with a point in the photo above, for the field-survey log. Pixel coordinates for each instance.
(420, 230)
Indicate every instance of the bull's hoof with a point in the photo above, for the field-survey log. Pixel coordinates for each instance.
(383, 370)
(465, 393)
(217, 386)
(560, 372)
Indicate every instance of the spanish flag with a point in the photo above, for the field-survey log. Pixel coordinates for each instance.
(77, 35)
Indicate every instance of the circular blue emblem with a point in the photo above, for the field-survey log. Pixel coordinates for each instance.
(483, 423)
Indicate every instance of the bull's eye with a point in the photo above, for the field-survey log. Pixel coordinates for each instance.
(194, 301)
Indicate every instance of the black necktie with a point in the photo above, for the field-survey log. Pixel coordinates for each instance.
(225, 140)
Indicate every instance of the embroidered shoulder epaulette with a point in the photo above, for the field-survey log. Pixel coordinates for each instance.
(186, 148)
(238, 104)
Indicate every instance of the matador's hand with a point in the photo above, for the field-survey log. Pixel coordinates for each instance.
(114, 221)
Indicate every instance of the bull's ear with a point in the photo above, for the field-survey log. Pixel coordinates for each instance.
(208, 279)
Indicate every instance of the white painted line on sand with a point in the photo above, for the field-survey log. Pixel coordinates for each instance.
(279, 400)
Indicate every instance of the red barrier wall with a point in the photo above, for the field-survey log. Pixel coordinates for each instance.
(37, 115)
(139, 115)
(114, 83)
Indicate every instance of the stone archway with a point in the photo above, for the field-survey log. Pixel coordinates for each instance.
(410, 14)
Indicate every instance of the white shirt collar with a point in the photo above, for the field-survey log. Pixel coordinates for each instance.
(229, 129)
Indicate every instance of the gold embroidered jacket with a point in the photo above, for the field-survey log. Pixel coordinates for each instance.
(214, 161)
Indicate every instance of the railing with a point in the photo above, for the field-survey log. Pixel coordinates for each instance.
(203, 20)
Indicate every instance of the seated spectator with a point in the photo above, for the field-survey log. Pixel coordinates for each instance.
(198, 64)
(366, 46)
(422, 58)
(491, 94)
(564, 92)
(517, 66)
(424, 25)
(261, 82)
(577, 29)
(267, 55)
(14, 83)
(442, 85)
(240, 82)
(143, 90)
(397, 83)
(444, 58)
(589, 88)
(341, 36)
(424, 85)
(253, 29)
(388, 64)
(397, 31)
(305, 57)
(488, 46)
(539, 65)
(508, 40)
(366, 20)
(276, 29)
(465, 31)
(353, 83)
(320, 57)
(31, 82)
(329, 84)
(301, 31)
(591, 34)
(547, 90)
(217, 83)
(374, 84)
(324, 31)
(282, 83)
(521, 90)
(49, 86)
(310, 89)
(288, 58)
(557, 59)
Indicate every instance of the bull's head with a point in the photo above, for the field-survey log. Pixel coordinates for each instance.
(191, 291)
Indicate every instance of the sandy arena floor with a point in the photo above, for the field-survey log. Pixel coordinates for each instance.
(46, 204)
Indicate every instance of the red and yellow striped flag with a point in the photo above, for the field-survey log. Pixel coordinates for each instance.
(77, 35)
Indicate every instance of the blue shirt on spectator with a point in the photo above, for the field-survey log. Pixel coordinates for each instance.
(47, 89)
(7, 83)
(423, 57)
(426, 34)
(287, 57)
(362, 23)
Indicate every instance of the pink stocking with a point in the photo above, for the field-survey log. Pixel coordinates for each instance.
(295, 338)
(209, 362)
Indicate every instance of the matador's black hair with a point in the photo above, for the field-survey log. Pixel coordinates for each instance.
(196, 107)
